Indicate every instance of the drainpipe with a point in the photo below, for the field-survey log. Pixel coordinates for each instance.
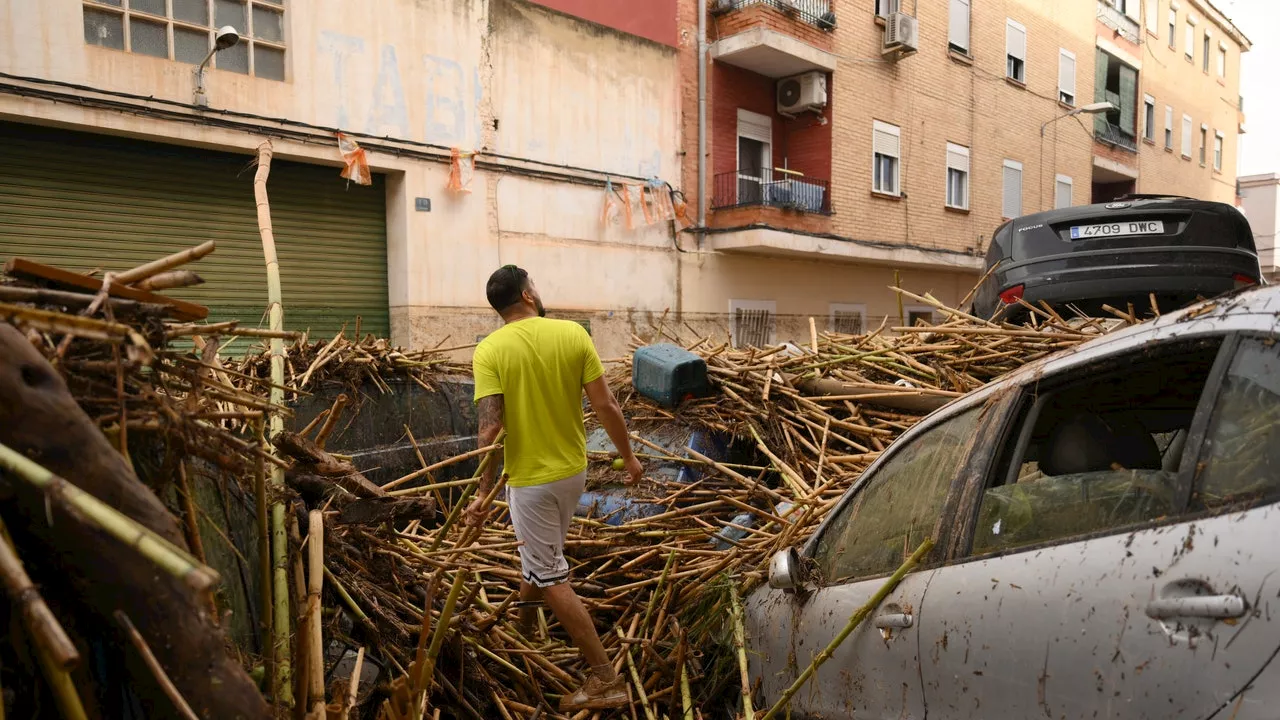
(702, 120)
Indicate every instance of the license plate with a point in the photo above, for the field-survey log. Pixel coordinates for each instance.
(1118, 229)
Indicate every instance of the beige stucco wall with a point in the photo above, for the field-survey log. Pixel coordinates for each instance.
(510, 79)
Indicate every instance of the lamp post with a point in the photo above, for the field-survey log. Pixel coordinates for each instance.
(226, 37)
(1090, 109)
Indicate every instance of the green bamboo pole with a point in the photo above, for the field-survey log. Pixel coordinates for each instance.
(279, 541)
(143, 540)
(422, 688)
(461, 505)
(854, 621)
(740, 645)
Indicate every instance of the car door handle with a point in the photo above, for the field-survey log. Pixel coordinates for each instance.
(1198, 606)
(889, 621)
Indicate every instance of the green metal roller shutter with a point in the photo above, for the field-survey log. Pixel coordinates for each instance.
(82, 201)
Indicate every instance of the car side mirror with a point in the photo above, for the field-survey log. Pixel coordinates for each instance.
(785, 571)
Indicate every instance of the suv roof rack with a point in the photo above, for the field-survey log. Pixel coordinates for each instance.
(1153, 196)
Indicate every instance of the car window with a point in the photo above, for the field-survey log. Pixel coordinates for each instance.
(898, 507)
(1240, 460)
(1102, 452)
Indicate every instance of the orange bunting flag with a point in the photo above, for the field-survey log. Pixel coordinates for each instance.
(462, 166)
(355, 161)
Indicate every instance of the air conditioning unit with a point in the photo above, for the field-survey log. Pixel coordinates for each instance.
(901, 33)
(802, 92)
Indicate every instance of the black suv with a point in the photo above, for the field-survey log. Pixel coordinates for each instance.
(1122, 252)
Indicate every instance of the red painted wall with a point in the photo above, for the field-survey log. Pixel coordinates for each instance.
(803, 143)
(650, 19)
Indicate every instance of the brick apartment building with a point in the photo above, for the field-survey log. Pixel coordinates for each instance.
(835, 165)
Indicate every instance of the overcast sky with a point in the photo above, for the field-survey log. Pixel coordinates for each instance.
(1259, 20)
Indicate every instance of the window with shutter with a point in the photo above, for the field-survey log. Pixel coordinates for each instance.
(957, 176)
(886, 152)
(1217, 150)
(1204, 143)
(1015, 39)
(1066, 76)
(1168, 127)
(1173, 29)
(1222, 60)
(1152, 11)
(753, 322)
(1012, 205)
(848, 319)
(958, 33)
(1062, 191)
(1190, 40)
(1186, 136)
(1149, 118)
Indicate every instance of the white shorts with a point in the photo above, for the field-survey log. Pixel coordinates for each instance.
(541, 515)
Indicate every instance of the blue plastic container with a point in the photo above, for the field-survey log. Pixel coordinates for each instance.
(668, 374)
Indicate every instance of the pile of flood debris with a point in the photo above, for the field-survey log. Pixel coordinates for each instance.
(93, 385)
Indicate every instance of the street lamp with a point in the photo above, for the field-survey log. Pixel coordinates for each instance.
(225, 37)
(1090, 109)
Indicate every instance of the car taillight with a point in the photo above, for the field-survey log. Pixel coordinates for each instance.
(1012, 295)
(1243, 280)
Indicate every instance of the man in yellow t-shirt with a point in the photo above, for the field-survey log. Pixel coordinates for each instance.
(530, 375)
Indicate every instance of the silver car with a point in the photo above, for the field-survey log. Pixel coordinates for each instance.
(1108, 543)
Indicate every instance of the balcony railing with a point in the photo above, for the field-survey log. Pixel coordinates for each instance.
(771, 188)
(1117, 20)
(814, 12)
(1113, 134)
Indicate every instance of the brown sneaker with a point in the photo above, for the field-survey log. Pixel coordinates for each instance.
(595, 694)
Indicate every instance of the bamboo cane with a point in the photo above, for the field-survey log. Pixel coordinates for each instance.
(854, 621)
(155, 267)
(740, 645)
(148, 657)
(169, 280)
(45, 629)
(275, 310)
(315, 585)
(143, 540)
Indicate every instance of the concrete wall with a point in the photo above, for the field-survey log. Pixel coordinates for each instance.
(554, 105)
(1260, 201)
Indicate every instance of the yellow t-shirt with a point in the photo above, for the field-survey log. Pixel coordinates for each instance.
(539, 366)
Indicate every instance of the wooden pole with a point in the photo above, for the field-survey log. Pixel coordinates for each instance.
(279, 540)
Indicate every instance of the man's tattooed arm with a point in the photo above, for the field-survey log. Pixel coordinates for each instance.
(490, 410)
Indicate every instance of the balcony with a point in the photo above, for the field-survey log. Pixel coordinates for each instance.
(781, 189)
(814, 12)
(1116, 19)
(1112, 134)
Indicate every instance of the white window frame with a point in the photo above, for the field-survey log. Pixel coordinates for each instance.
(751, 125)
(1004, 191)
(1187, 125)
(770, 305)
(1204, 144)
(968, 175)
(1058, 181)
(850, 308)
(1173, 28)
(1190, 34)
(885, 8)
(1149, 118)
(1206, 48)
(1168, 127)
(1063, 89)
(1015, 26)
(955, 6)
(1152, 10)
(931, 311)
(1219, 149)
(888, 129)
(1222, 60)
(248, 35)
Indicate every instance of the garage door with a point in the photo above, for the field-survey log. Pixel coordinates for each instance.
(82, 201)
